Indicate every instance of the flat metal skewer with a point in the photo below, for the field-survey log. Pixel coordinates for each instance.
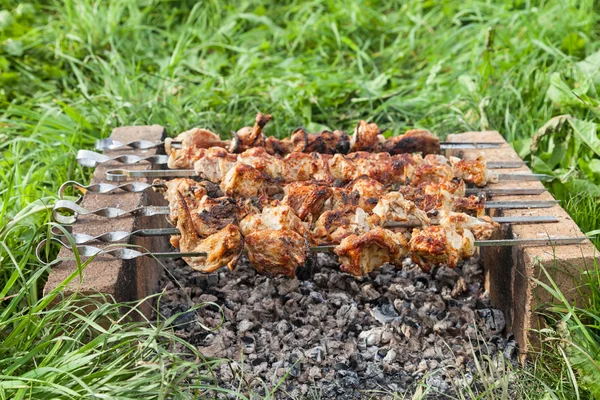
(91, 159)
(121, 175)
(124, 253)
(109, 144)
(120, 236)
(146, 211)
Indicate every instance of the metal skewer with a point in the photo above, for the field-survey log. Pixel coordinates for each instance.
(113, 212)
(120, 175)
(124, 253)
(109, 144)
(90, 159)
(120, 236)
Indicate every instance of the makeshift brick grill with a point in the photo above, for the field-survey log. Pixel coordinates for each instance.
(280, 203)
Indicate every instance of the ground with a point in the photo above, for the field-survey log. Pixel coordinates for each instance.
(72, 71)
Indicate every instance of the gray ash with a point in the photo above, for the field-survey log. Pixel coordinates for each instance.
(336, 336)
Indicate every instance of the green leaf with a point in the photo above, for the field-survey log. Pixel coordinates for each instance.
(573, 44)
(6, 20)
(540, 166)
(585, 131)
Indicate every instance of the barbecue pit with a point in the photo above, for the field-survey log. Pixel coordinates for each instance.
(505, 270)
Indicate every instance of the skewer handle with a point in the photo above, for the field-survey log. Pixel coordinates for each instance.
(102, 188)
(107, 212)
(121, 175)
(109, 144)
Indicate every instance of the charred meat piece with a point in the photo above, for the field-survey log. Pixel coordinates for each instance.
(361, 254)
(197, 137)
(366, 137)
(260, 159)
(249, 137)
(189, 188)
(472, 205)
(413, 141)
(326, 142)
(473, 171)
(393, 207)
(307, 198)
(278, 147)
(214, 164)
(276, 252)
(307, 166)
(369, 190)
(273, 218)
(223, 247)
(433, 170)
(332, 226)
(245, 181)
(482, 228)
(440, 245)
(185, 157)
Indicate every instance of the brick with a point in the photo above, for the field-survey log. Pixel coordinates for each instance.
(123, 280)
(511, 272)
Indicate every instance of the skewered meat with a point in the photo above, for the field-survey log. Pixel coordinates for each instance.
(440, 245)
(332, 226)
(413, 141)
(369, 190)
(276, 252)
(429, 172)
(307, 166)
(326, 142)
(366, 137)
(306, 198)
(186, 187)
(472, 205)
(361, 254)
(197, 137)
(249, 137)
(245, 181)
(482, 228)
(273, 218)
(473, 171)
(258, 158)
(214, 164)
(394, 207)
(223, 247)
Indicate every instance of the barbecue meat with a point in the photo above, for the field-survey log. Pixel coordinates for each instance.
(223, 248)
(369, 190)
(185, 157)
(473, 171)
(189, 188)
(249, 137)
(440, 245)
(197, 137)
(273, 218)
(326, 142)
(482, 228)
(366, 137)
(361, 254)
(306, 198)
(472, 205)
(276, 252)
(413, 141)
(332, 226)
(278, 147)
(214, 163)
(245, 181)
(259, 158)
(431, 173)
(307, 166)
(393, 207)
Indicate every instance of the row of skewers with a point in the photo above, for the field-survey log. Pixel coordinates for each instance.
(367, 198)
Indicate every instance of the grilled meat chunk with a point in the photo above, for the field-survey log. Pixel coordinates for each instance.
(440, 245)
(249, 137)
(307, 166)
(482, 228)
(473, 171)
(327, 142)
(245, 181)
(472, 205)
(332, 226)
(276, 252)
(196, 137)
(214, 163)
(413, 141)
(361, 254)
(307, 198)
(366, 137)
(273, 218)
(428, 173)
(259, 158)
(393, 207)
(369, 190)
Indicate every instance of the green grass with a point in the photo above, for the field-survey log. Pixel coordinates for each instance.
(71, 71)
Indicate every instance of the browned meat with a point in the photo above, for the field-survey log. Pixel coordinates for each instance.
(393, 207)
(197, 137)
(249, 137)
(276, 252)
(472, 205)
(427, 173)
(273, 218)
(214, 163)
(259, 158)
(473, 171)
(306, 198)
(366, 137)
(332, 226)
(440, 245)
(369, 190)
(482, 228)
(413, 141)
(245, 181)
(307, 166)
(361, 254)
(278, 147)
(326, 142)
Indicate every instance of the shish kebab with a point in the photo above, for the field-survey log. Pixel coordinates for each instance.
(367, 137)
(217, 165)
